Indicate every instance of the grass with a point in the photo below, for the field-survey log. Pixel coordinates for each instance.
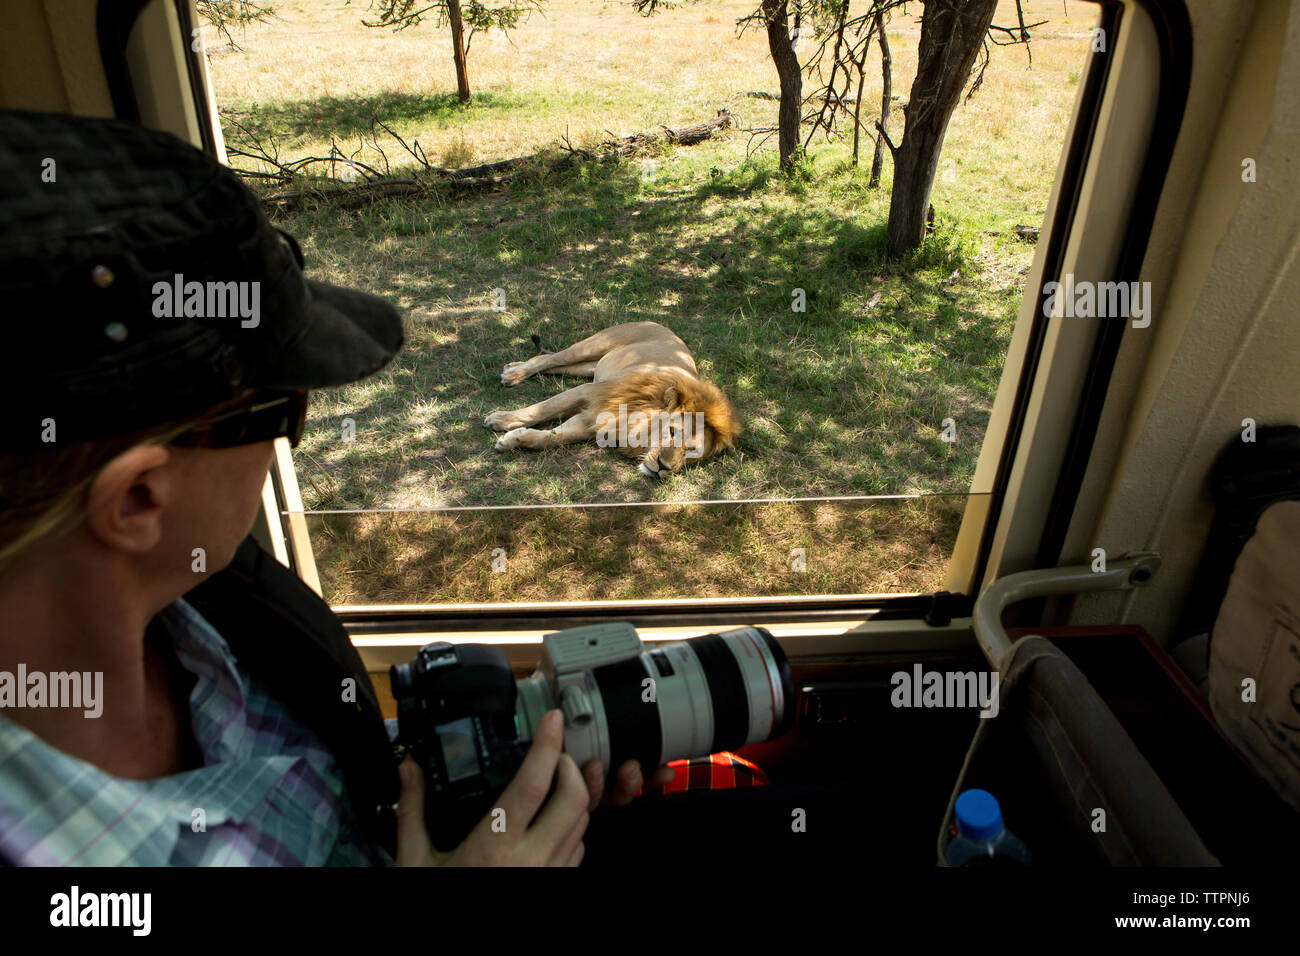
(845, 398)
(634, 553)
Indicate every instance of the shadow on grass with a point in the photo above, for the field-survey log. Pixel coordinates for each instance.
(346, 116)
(635, 553)
(845, 397)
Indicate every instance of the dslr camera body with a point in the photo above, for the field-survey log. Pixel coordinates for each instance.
(469, 723)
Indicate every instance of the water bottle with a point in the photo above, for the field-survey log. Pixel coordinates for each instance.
(979, 837)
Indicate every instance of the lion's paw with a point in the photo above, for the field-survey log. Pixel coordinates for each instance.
(502, 421)
(510, 440)
(513, 373)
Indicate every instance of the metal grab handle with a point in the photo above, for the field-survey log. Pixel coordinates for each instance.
(1128, 571)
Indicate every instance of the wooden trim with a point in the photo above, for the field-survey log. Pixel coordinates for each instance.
(294, 522)
(800, 642)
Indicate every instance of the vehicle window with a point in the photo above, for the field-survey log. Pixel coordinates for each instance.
(609, 167)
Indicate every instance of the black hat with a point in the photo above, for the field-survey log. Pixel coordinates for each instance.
(140, 282)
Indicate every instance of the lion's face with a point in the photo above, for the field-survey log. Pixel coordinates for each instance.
(668, 441)
(665, 419)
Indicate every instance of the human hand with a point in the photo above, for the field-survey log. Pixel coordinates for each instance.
(626, 783)
(539, 831)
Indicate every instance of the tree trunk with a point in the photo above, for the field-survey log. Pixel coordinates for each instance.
(952, 34)
(458, 49)
(857, 105)
(886, 100)
(787, 70)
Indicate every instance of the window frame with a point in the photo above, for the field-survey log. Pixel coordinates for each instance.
(976, 559)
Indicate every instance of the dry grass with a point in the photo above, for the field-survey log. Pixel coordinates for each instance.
(587, 67)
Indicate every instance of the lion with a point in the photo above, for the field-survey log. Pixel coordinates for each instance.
(645, 398)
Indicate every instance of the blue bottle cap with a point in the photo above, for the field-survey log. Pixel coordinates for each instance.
(978, 814)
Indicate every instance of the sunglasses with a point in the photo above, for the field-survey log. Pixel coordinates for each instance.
(265, 416)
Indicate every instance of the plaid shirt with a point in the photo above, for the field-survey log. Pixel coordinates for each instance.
(269, 791)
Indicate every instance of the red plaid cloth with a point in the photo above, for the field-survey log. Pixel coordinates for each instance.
(721, 771)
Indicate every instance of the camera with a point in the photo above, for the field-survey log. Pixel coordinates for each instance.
(468, 723)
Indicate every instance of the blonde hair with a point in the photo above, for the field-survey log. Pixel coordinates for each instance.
(42, 493)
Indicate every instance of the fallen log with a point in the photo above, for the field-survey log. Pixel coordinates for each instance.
(690, 135)
(351, 195)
